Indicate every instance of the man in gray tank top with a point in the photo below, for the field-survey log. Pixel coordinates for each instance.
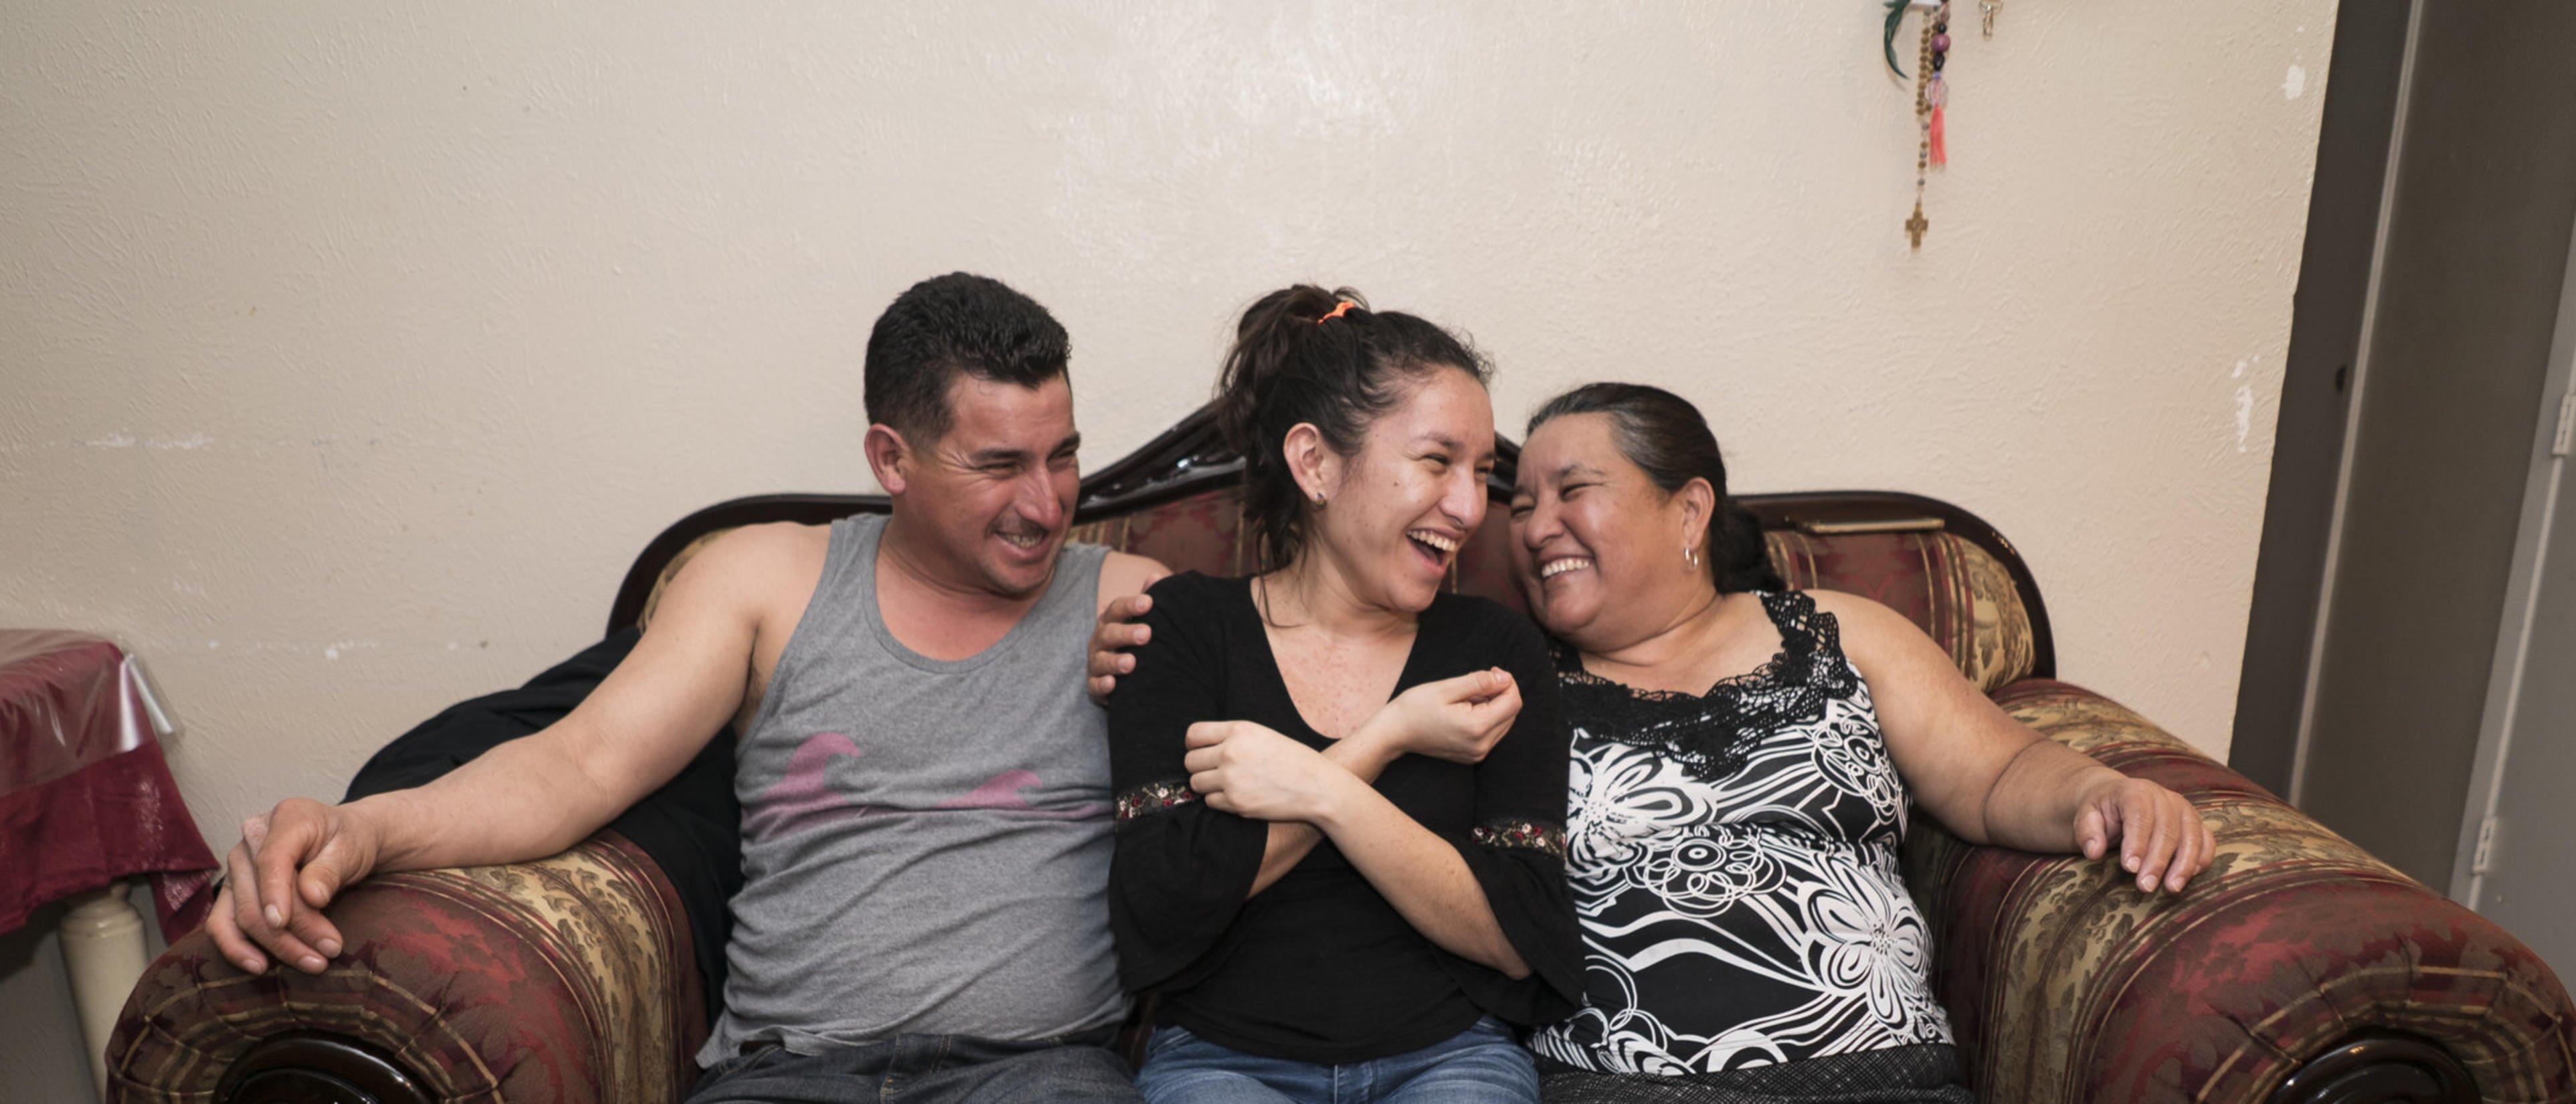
(925, 787)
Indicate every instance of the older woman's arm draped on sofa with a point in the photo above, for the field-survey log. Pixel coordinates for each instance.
(1989, 778)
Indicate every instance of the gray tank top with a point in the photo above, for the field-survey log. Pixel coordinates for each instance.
(925, 843)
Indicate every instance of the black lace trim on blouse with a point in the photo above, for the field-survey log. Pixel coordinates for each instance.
(1711, 734)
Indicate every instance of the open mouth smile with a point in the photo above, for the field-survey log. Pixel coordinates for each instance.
(1562, 564)
(1435, 546)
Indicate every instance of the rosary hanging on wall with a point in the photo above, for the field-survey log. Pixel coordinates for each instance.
(1931, 91)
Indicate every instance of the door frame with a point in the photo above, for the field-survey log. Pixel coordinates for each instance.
(2348, 212)
(2497, 718)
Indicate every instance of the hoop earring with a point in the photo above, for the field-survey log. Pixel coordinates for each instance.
(1691, 554)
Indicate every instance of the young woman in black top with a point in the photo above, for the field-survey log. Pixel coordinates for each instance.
(1341, 790)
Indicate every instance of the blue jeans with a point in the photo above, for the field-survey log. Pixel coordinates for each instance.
(1481, 1065)
(921, 1069)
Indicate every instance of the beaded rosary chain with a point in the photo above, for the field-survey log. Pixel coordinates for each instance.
(1931, 94)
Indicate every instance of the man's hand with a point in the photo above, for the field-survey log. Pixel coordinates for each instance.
(1456, 719)
(288, 865)
(1110, 639)
(2162, 839)
(1251, 770)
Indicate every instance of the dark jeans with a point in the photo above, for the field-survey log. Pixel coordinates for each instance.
(1481, 1065)
(922, 1069)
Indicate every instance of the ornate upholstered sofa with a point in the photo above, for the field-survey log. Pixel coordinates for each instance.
(2297, 968)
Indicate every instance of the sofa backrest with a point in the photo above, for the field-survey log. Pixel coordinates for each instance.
(1960, 594)
(1964, 595)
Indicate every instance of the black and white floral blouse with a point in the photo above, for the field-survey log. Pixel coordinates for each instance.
(1733, 857)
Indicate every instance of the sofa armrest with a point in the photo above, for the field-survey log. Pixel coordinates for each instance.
(2296, 957)
(564, 980)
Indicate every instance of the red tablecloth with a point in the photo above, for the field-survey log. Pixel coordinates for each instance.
(85, 797)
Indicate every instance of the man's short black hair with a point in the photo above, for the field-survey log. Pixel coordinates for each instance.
(949, 324)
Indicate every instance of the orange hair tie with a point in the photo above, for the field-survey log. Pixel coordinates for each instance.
(1339, 310)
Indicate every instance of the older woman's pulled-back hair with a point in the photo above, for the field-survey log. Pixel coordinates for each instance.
(1304, 354)
(1663, 434)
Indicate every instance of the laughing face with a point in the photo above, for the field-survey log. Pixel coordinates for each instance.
(1596, 545)
(1397, 510)
(995, 492)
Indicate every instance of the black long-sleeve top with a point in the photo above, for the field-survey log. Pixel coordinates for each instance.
(1320, 967)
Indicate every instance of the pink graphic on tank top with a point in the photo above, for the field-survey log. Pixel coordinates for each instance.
(1003, 792)
(803, 799)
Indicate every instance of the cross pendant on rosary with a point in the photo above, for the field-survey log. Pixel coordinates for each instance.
(1988, 8)
(1914, 227)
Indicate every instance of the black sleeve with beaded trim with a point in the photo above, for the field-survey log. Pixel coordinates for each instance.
(1516, 849)
(1181, 870)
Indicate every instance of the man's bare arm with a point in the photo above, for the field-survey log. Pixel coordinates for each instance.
(534, 797)
(527, 798)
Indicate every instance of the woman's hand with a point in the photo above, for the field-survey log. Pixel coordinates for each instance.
(1111, 636)
(1456, 719)
(1252, 771)
(2162, 839)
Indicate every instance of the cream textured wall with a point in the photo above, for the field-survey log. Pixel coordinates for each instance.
(348, 353)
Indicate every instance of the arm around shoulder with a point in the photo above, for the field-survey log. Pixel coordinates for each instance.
(1127, 575)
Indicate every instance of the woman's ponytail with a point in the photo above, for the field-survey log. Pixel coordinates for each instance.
(1741, 557)
(1306, 355)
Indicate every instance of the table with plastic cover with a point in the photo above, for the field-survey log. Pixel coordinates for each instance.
(87, 802)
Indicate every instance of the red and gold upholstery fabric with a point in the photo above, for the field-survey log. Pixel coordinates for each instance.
(563, 981)
(1202, 533)
(1960, 595)
(2067, 986)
